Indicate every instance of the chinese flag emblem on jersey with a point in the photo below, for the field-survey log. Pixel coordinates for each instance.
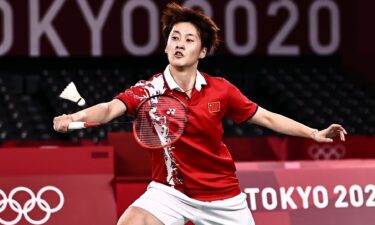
(214, 107)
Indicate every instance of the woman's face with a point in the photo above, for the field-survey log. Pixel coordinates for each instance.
(184, 46)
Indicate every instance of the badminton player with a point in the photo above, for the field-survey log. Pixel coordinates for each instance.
(194, 179)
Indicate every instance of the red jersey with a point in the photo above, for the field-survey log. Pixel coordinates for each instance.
(199, 163)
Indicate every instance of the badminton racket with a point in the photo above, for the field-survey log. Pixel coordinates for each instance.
(159, 121)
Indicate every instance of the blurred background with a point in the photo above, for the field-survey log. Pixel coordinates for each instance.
(310, 60)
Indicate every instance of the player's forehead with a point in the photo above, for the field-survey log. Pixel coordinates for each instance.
(185, 29)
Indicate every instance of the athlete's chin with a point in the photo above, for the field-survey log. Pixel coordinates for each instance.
(180, 64)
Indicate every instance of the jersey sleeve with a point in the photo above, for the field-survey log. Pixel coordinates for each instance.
(240, 108)
(132, 97)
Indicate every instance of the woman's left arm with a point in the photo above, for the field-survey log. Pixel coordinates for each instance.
(285, 125)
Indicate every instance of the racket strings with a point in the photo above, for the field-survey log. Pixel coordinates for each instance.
(160, 121)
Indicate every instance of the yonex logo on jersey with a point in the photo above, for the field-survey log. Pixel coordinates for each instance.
(214, 107)
(35, 201)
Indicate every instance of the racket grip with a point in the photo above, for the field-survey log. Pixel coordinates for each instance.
(81, 125)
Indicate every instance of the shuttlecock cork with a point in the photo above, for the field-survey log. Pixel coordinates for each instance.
(70, 93)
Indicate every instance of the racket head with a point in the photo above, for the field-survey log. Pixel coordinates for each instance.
(159, 121)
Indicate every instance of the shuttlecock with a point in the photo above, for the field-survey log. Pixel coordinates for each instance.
(70, 93)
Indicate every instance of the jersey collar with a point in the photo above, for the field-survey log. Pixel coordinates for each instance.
(199, 81)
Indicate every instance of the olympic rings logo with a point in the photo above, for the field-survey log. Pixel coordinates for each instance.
(29, 205)
(327, 151)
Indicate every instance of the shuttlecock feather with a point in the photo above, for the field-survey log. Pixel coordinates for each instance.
(70, 93)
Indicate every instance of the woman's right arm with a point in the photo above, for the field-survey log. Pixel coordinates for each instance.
(100, 113)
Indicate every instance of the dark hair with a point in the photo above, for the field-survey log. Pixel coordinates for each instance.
(207, 29)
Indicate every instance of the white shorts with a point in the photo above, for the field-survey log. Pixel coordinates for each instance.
(172, 207)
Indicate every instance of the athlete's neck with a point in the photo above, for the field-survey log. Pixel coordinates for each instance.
(184, 77)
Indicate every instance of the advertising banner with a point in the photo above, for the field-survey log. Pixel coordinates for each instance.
(309, 193)
(57, 186)
(65, 28)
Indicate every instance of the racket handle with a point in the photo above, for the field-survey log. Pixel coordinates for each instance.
(81, 125)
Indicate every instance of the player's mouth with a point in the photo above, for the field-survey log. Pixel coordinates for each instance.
(178, 54)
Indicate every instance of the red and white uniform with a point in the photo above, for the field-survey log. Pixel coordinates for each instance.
(199, 164)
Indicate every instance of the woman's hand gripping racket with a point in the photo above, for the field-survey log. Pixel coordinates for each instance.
(159, 121)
